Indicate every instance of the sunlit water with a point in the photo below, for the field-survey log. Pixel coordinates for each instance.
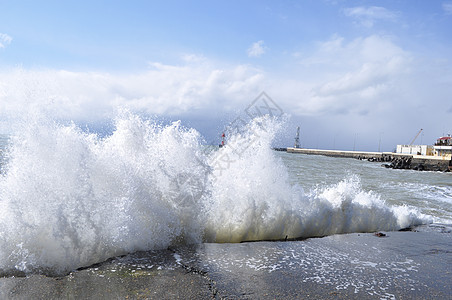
(429, 192)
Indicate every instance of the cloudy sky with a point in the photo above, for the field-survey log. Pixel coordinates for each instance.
(352, 74)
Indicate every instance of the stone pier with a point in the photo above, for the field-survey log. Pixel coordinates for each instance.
(391, 160)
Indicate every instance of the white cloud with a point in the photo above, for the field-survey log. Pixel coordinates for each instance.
(163, 90)
(364, 84)
(340, 76)
(4, 40)
(256, 49)
(351, 76)
(447, 7)
(368, 85)
(367, 16)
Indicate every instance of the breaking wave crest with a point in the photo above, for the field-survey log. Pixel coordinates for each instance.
(69, 198)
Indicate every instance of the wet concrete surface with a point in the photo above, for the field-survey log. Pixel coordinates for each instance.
(145, 275)
(399, 265)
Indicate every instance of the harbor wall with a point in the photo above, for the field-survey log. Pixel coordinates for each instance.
(337, 153)
(391, 160)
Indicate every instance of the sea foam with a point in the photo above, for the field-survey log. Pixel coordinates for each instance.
(70, 199)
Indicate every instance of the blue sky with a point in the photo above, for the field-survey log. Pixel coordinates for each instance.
(349, 72)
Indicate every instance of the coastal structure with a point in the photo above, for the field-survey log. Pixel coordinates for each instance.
(437, 157)
(297, 138)
(415, 149)
(443, 146)
(442, 149)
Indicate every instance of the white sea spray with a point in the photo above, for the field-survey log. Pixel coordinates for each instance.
(69, 198)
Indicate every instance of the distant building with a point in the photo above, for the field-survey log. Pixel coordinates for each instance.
(415, 149)
(442, 148)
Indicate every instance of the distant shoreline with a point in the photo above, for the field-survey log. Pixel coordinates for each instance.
(392, 160)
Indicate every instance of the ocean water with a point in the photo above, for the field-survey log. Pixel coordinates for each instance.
(429, 193)
(70, 198)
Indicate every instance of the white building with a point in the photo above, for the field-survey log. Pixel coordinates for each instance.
(442, 148)
(415, 149)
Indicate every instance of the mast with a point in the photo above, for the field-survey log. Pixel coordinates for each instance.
(297, 138)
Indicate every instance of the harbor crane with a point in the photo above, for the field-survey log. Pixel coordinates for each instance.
(418, 133)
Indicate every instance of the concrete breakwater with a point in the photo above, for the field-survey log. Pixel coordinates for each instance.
(391, 160)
